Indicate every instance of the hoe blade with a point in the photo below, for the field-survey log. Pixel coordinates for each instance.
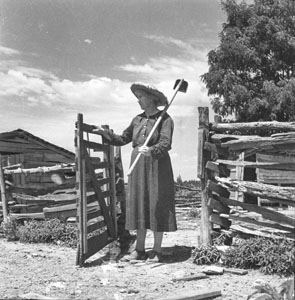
(183, 86)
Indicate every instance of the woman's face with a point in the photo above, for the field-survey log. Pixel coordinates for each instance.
(145, 100)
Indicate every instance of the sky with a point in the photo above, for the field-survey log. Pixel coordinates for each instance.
(59, 58)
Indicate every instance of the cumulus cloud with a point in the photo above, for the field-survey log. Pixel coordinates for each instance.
(8, 51)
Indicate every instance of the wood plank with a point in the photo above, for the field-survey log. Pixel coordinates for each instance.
(253, 232)
(218, 168)
(278, 177)
(259, 223)
(191, 277)
(216, 188)
(216, 149)
(263, 165)
(193, 295)
(94, 213)
(95, 225)
(220, 220)
(96, 243)
(218, 206)
(100, 198)
(96, 146)
(53, 148)
(266, 213)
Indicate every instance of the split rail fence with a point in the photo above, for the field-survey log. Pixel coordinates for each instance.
(245, 170)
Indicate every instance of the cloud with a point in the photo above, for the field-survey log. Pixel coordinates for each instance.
(162, 72)
(88, 41)
(47, 106)
(8, 51)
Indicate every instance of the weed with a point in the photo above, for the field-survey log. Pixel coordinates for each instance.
(270, 256)
(206, 255)
(48, 231)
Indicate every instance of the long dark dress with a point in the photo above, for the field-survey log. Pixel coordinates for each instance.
(150, 201)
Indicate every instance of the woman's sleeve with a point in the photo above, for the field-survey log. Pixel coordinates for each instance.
(164, 144)
(119, 140)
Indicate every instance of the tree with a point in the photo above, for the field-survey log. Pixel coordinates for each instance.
(252, 72)
(179, 180)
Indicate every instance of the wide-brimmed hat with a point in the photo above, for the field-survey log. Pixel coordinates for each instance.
(162, 99)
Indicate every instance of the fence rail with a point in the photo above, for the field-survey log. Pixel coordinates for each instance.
(223, 153)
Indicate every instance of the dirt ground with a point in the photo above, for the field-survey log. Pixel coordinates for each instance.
(42, 271)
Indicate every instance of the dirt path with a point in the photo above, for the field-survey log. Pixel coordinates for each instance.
(50, 271)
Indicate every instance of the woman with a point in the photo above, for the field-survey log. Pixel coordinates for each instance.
(150, 202)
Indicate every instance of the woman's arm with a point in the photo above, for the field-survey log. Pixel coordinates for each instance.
(165, 140)
(115, 139)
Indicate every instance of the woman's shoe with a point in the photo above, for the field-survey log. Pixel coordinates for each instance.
(135, 255)
(154, 257)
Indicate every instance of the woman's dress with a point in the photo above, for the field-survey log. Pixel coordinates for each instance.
(151, 198)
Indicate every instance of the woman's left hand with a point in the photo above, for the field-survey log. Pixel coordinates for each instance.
(144, 150)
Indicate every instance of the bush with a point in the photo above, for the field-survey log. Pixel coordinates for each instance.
(270, 256)
(48, 231)
(206, 255)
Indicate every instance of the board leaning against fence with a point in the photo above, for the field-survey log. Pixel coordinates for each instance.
(150, 200)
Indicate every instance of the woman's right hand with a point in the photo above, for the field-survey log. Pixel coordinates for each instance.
(97, 129)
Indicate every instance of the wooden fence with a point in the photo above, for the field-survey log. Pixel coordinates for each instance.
(234, 205)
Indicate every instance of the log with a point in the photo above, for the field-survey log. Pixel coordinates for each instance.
(266, 213)
(191, 277)
(253, 126)
(203, 134)
(252, 232)
(37, 216)
(3, 192)
(60, 167)
(240, 143)
(283, 195)
(259, 223)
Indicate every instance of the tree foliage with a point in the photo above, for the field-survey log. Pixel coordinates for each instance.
(252, 72)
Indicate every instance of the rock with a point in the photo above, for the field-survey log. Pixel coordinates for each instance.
(213, 270)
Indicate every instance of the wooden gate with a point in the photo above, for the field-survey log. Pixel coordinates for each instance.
(96, 204)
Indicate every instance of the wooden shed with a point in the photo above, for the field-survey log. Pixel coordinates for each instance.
(21, 147)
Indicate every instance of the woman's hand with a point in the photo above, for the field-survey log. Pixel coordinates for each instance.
(97, 129)
(145, 150)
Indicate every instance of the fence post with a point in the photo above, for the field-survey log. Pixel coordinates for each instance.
(3, 192)
(203, 135)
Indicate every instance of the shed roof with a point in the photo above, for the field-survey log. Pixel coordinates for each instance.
(21, 141)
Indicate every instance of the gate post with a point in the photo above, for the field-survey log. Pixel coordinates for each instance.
(3, 192)
(203, 136)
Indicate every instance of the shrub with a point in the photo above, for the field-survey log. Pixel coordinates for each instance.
(9, 229)
(48, 231)
(270, 256)
(206, 255)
